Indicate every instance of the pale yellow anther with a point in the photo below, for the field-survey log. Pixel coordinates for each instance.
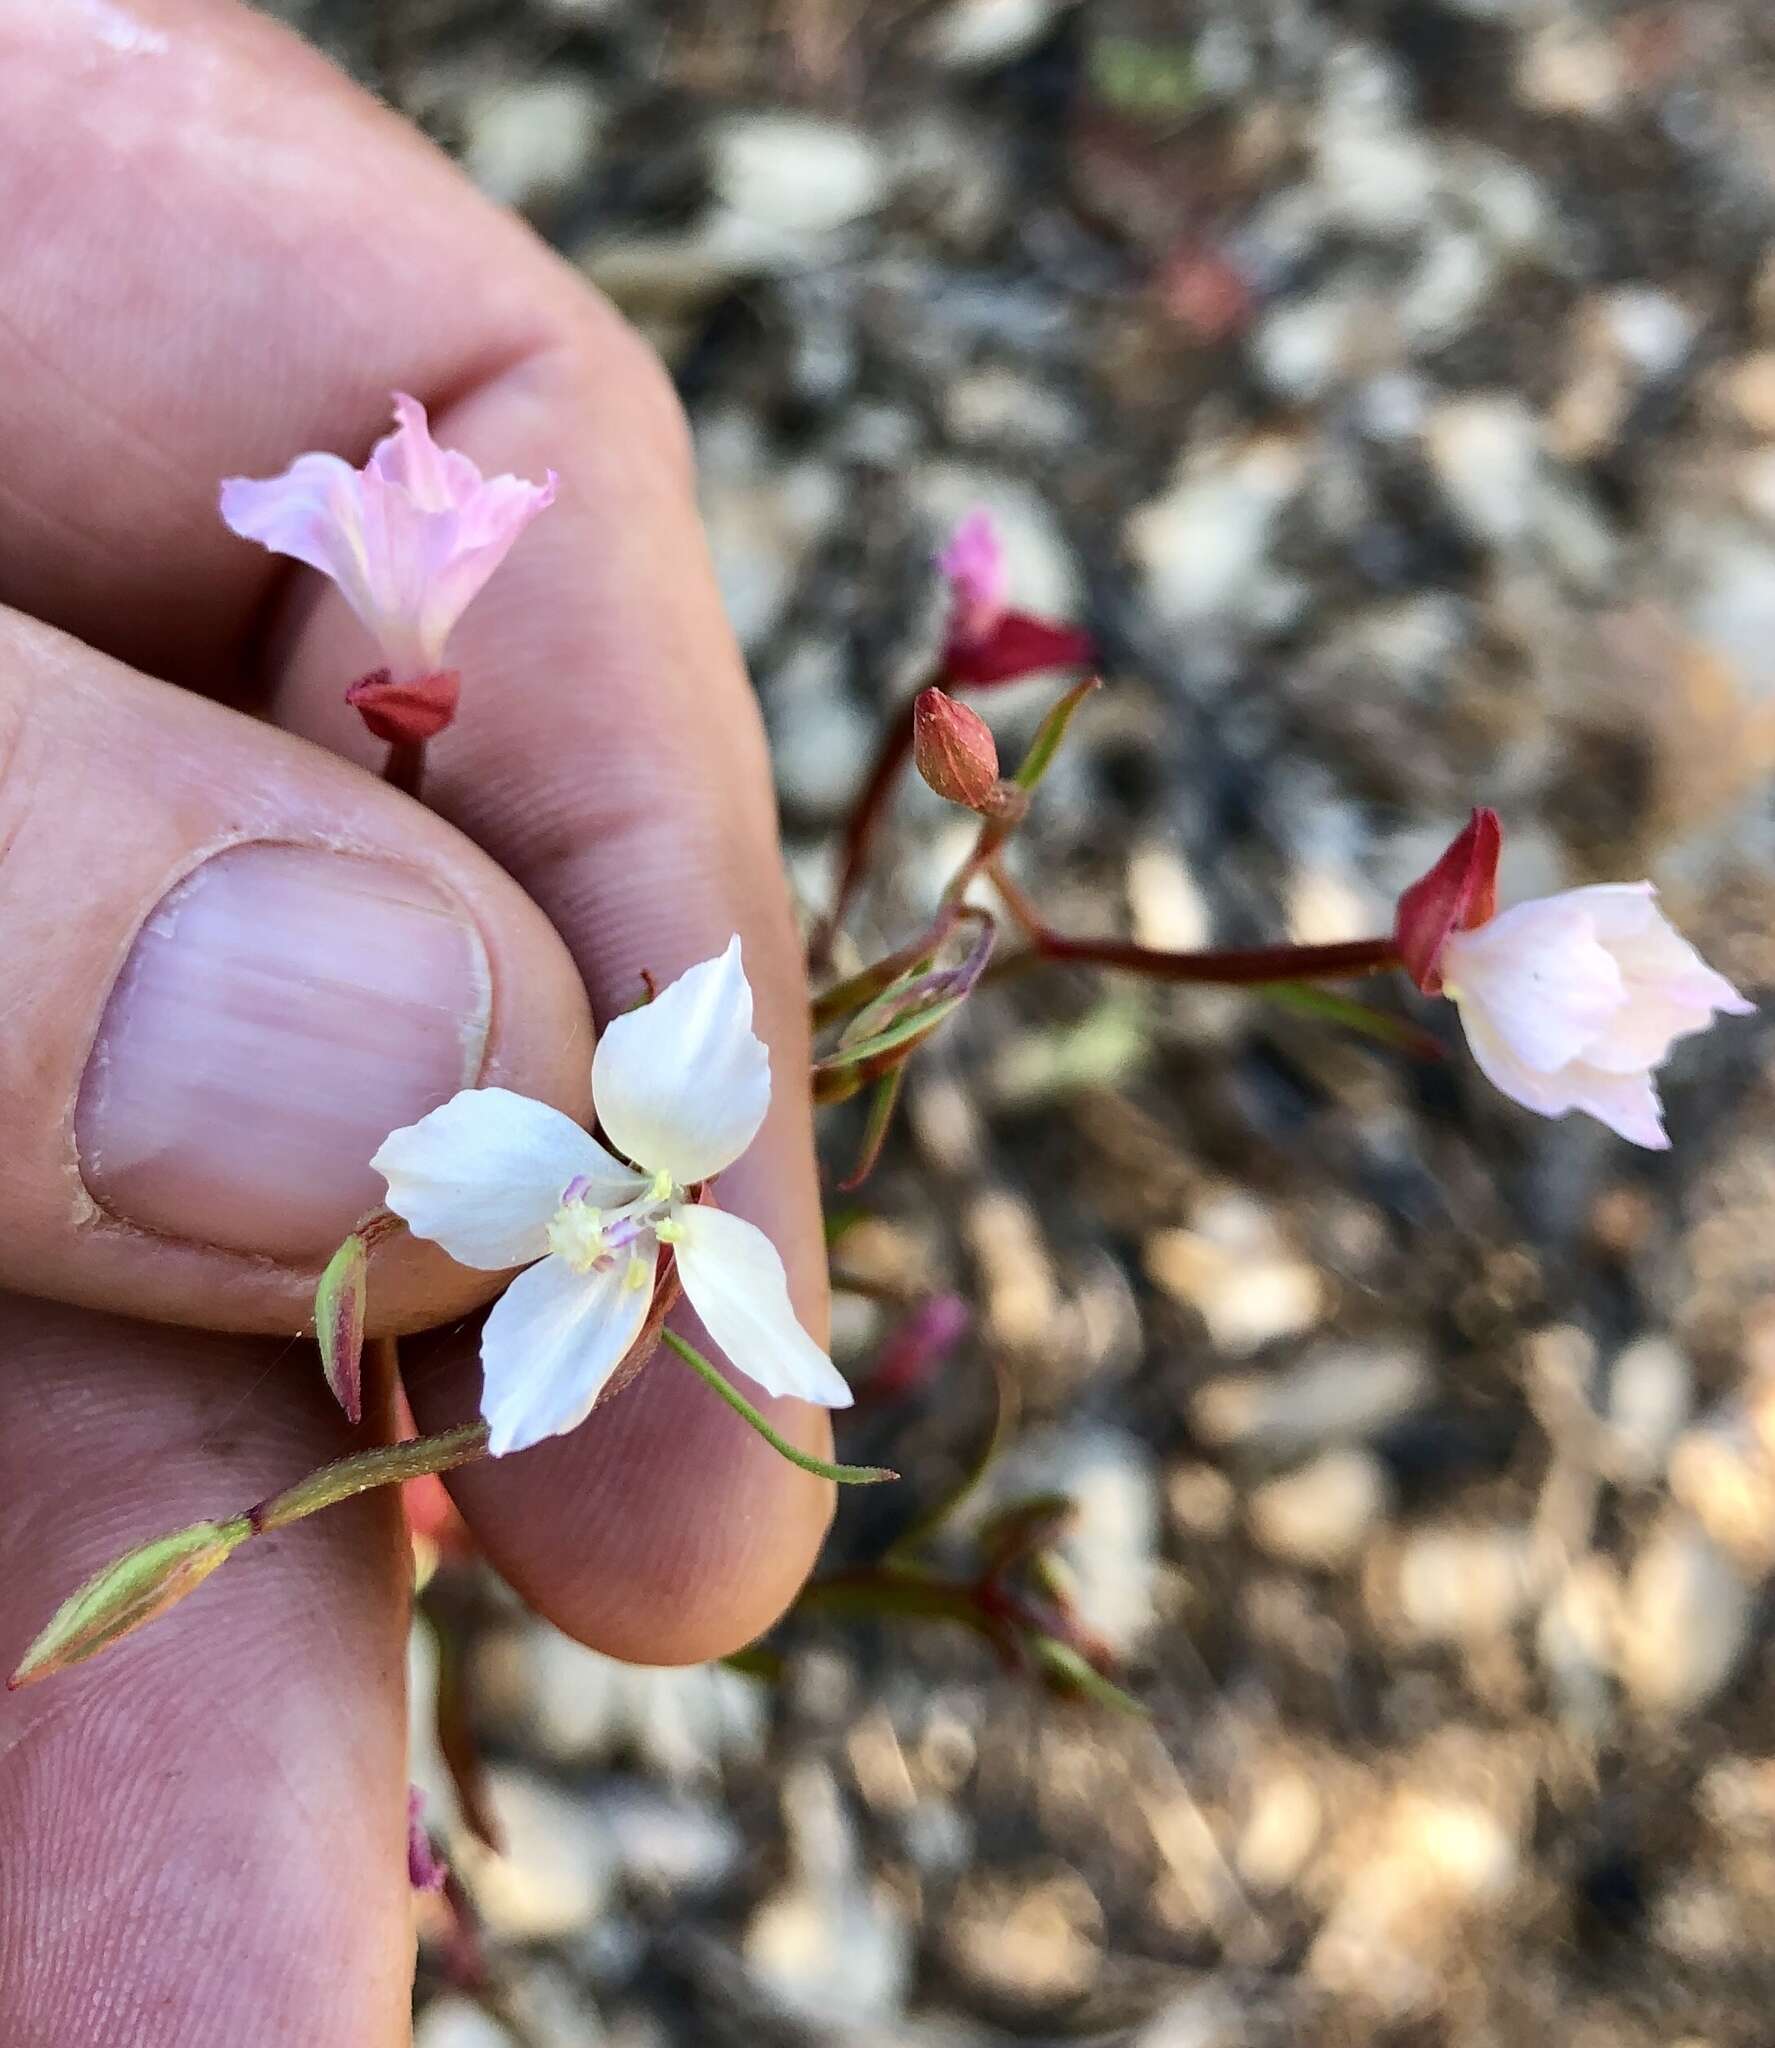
(669, 1230)
(660, 1190)
(638, 1273)
(576, 1234)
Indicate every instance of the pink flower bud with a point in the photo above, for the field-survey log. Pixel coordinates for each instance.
(406, 714)
(1458, 894)
(954, 750)
(409, 539)
(1572, 1001)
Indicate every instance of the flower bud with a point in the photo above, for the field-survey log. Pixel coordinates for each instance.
(954, 750)
(406, 713)
(1459, 894)
(136, 1588)
(339, 1304)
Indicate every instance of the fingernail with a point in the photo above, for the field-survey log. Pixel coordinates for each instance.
(281, 1012)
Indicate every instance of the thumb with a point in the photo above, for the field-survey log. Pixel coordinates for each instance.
(234, 964)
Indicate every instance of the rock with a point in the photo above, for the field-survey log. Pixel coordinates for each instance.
(1486, 452)
(1235, 1269)
(821, 738)
(1200, 547)
(1571, 66)
(669, 1845)
(796, 175)
(1034, 1939)
(579, 1707)
(1281, 1831)
(1166, 906)
(1748, 387)
(528, 143)
(1686, 1621)
(1650, 1392)
(1339, 1393)
(998, 405)
(763, 519)
(553, 1876)
(1464, 1584)
(978, 35)
(1380, 178)
(458, 2023)
(834, 1947)
(1323, 1513)
(1110, 1549)
(1303, 347)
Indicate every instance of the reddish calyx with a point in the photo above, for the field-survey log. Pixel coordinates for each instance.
(406, 713)
(1016, 644)
(1458, 894)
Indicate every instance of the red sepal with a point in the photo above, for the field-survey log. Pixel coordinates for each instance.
(1459, 893)
(1018, 645)
(406, 714)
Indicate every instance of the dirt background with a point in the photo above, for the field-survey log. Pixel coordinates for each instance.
(1390, 390)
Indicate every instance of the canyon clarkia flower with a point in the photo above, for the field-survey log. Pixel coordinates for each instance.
(681, 1087)
(409, 539)
(1571, 1001)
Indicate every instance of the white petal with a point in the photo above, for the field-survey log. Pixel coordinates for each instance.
(1542, 975)
(682, 1084)
(550, 1346)
(735, 1282)
(483, 1174)
(1627, 1103)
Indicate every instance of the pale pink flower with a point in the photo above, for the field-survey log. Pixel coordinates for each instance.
(409, 539)
(972, 563)
(1571, 1001)
(681, 1087)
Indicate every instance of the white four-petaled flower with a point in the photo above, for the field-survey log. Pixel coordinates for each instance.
(409, 539)
(681, 1087)
(1571, 1001)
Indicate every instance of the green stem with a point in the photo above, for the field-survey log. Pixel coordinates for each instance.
(842, 1475)
(365, 1470)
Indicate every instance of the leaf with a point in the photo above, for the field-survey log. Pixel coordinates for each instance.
(128, 1593)
(339, 1306)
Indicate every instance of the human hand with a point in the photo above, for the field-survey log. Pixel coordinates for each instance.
(235, 962)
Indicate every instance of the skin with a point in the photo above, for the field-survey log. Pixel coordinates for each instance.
(219, 254)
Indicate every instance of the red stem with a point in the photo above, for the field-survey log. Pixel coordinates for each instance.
(1230, 966)
(1226, 966)
(405, 767)
(859, 832)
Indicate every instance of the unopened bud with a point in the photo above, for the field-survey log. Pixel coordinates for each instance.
(137, 1588)
(1458, 894)
(339, 1304)
(406, 713)
(954, 750)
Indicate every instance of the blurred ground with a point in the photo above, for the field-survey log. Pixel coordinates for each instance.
(1391, 388)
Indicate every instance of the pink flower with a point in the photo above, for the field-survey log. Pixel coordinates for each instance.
(972, 563)
(986, 641)
(1571, 1001)
(409, 539)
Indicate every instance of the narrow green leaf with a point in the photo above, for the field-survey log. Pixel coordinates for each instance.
(128, 1593)
(843, 1475)
(1046, 743)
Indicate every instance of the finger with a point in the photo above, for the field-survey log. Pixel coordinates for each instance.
(608, 752)
(234, 964)
(204, 1827)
